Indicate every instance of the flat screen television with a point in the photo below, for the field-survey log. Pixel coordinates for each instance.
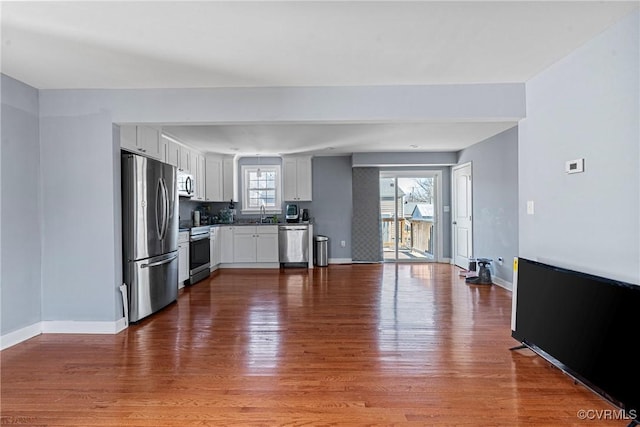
(588, 326)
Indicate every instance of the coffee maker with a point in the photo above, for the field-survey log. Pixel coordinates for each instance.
(292, 213)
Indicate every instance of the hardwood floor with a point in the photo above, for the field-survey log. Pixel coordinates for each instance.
(365, 344)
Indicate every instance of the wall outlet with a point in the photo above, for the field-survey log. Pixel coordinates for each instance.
(343, 244)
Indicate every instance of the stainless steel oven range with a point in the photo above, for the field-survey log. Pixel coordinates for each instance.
(199, 256)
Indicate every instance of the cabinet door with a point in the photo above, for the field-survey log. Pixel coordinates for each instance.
(172, 155)
(184, 163)
(214, 179)
(303, 178)
(129, 138)
(202, 173)
(267, 247)
(228, 177)
(148, 142)
(226, 244)
(198, 173)
(183, 262)
(216, 246)
(289, 172)
(244, 247)
(212, 248)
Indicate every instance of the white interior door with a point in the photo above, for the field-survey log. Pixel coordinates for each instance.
(462, 217)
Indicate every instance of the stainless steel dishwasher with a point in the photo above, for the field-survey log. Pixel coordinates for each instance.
(293, 243)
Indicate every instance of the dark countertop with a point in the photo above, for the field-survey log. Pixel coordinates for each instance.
(247, 223)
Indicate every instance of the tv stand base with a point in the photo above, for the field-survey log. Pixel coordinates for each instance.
(518, 347)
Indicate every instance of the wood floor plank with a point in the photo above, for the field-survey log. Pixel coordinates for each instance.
(406, 344)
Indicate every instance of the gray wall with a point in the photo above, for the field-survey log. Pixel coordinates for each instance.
(585, 106)
(332, 202)
(495, 199)
(20, 207)
(81, 237)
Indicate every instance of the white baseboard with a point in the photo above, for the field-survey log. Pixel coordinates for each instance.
(340, 261)
(250, 265)
(445, 260)
(16, 337)
(502, 283)
(121, 325)
(78, 327)
(61, 327)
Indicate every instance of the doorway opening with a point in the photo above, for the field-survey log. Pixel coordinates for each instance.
(409, 216)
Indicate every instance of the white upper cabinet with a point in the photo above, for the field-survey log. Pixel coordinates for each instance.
(297, 178)
(141, 140)
(199, 175)
(171, 151)
(228, 177)
(184, 162)
(219, 183)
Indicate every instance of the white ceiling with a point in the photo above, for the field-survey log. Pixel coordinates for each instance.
(333, 138)
(57, 45)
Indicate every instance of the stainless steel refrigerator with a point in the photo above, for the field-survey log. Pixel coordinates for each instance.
(150, 234)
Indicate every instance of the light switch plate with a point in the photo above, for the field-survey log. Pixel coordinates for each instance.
(530, 208)
(574, 166)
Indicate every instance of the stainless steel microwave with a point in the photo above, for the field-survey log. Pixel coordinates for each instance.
(186, 184)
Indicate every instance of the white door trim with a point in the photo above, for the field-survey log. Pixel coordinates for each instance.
(454, 209)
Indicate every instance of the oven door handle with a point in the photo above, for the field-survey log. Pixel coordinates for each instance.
(196, 238)
(155, 264)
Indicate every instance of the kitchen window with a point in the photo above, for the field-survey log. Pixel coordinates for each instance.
(261, 186)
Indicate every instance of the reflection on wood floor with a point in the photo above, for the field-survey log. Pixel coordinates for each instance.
(386, 344)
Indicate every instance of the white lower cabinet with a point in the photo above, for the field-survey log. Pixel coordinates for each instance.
(214, 242)
(255, 244)
(225, 235)
(267, 245)
(244, 244)
(183, 258)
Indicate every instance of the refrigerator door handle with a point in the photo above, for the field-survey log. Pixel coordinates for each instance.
(165, 209)
(157, 263)
(159, 209)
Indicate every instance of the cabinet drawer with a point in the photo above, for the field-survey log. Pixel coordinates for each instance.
(267, 229)
(246, 229)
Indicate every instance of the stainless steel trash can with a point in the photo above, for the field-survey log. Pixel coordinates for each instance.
(322, 251)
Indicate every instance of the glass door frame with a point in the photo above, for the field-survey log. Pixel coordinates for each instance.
(438, 210)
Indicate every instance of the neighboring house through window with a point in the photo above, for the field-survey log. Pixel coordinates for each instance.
(261, 186)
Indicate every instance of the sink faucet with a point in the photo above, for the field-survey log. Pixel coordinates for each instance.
(263, 214)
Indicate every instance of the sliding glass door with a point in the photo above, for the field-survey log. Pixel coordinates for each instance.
(408, 216)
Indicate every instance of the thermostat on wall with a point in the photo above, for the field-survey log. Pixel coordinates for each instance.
(574, 166)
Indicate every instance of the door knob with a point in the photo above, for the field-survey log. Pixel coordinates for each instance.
(455, 222)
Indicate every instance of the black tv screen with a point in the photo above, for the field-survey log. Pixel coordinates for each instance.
(589, 324)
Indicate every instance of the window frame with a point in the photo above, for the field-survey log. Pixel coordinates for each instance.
(245, 171)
